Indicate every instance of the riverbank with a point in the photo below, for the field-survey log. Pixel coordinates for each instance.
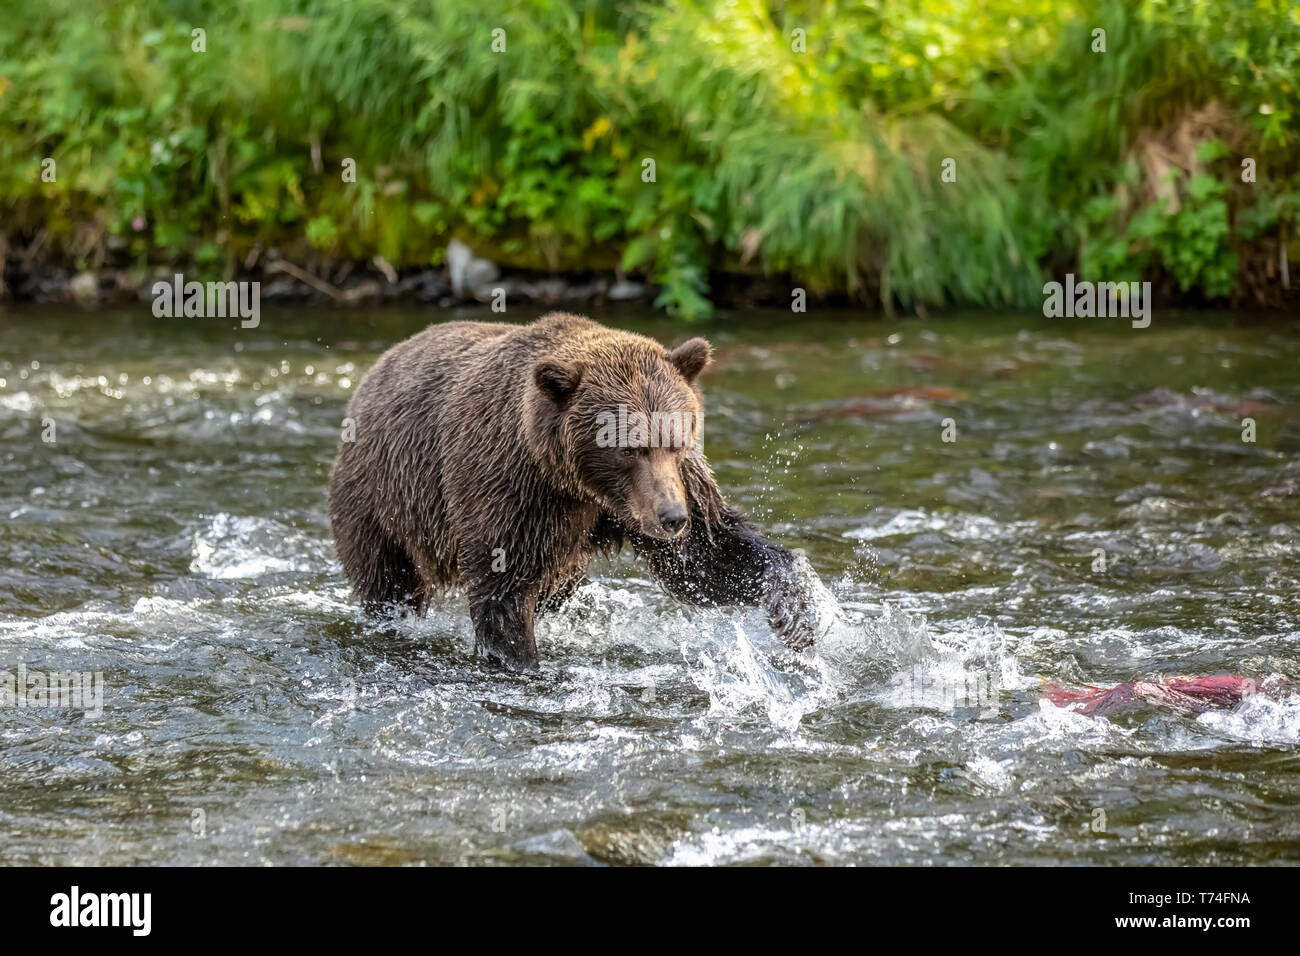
(346, 284)
(908, 156)
(352, 283)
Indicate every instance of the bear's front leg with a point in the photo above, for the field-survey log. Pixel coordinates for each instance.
(727, 561)
(508, 570)
(503, 625)
(502, 604)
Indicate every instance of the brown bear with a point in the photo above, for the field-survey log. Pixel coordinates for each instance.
(498, 458)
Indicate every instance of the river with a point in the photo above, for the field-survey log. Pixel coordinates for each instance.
(992, 500)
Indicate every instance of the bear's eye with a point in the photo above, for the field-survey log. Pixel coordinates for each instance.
(628, 453)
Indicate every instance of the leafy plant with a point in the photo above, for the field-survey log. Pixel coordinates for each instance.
(806, 139)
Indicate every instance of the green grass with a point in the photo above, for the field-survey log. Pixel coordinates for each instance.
(821, 164)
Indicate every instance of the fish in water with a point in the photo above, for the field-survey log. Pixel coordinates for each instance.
(1189, 695)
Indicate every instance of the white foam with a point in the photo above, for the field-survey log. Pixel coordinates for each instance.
(230, 547)
(1258, 719)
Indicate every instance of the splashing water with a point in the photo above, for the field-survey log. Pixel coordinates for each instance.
(174, 540)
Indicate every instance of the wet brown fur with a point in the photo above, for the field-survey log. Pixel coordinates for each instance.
(475, 465)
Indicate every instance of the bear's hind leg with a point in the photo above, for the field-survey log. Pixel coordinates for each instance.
(380, 570)
(391, 579)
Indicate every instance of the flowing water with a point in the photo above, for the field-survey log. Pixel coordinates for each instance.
(1096, 517)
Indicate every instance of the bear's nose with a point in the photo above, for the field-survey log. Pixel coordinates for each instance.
(672, 518)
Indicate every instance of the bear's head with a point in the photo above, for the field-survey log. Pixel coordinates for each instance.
(618, 423)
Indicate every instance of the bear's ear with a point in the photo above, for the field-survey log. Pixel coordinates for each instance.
(556, 380)
(691, 358)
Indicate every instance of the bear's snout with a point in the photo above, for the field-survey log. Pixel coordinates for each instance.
(672, 518)
(658, 499)
(664, 518)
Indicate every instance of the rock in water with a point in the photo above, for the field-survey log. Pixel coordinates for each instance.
(469, 274)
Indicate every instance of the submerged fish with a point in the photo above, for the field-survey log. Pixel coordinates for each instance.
(1190, 695)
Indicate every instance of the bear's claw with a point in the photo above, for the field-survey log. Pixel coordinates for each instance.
(793, 600)
(791, 618)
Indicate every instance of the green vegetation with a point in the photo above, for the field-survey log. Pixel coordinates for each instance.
(822, 163)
